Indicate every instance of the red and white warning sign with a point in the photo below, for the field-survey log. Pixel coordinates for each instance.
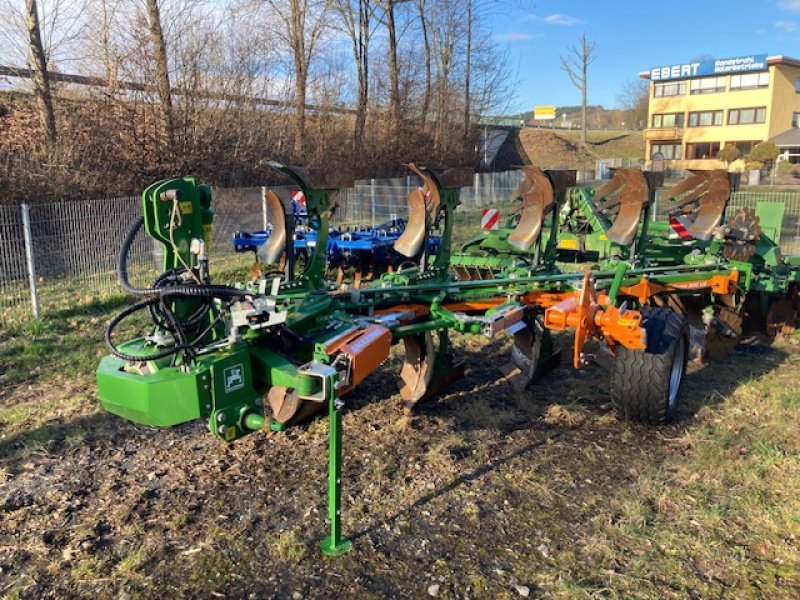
(679, 226)
(299, 198)
(490, 218)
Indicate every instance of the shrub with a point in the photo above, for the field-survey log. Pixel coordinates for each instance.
(729, 154)
(752, 165)
(765, 152)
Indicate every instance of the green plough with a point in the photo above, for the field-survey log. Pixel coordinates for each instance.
(275, 350)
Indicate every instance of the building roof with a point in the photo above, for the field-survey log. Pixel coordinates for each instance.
(783, 60)
(789, 138)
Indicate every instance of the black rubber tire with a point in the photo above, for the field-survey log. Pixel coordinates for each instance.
(641, 382)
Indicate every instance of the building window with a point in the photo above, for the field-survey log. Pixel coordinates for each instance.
(797, 85)
(673, 88)
(796, 119)
(669, 150)
(750, 81)
(747, 116)
(668, 120)
(707, 85)
(705, 118)
(702, 150)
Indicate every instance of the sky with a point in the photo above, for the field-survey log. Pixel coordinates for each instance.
(633, 37)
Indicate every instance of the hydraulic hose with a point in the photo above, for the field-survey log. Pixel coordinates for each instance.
(164, 353)
(156, 302)
(160, 319)
(205, 291)
(131, 357)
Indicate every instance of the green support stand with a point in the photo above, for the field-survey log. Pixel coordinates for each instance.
(334, 544)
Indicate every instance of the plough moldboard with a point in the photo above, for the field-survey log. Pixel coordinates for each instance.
(275, 350)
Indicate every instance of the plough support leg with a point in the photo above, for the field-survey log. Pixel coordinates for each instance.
(335, 544)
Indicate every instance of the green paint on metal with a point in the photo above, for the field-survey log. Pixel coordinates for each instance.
(162, 397)
(226, 382)
(176, 211)
(233, 395)
(320, 204)
(254, 421)
(616, 283)
(335, 544)
(770, 219)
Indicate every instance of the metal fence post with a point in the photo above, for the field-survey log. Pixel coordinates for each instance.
(475, 189)
(372, 200)
(26, 229)
(263, 208)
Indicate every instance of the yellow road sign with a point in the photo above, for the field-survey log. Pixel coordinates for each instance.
(544, 113)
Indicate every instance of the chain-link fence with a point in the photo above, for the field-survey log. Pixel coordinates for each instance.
(14, 290)
(56, 256)
(53, 256)
(379, 200)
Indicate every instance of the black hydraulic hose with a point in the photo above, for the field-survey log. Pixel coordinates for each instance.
(156, 303)
(175, 328)
(122, 265)
(132, 357)
(164, 353)
(159, 319)
(205, 291)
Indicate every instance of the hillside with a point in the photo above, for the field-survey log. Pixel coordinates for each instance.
(612, 143)
(551, 148)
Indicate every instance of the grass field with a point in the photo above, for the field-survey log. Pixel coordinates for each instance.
(483, 493)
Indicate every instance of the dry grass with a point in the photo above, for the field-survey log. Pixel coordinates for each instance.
(613, 143)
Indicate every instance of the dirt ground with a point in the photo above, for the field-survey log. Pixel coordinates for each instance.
(483, 493)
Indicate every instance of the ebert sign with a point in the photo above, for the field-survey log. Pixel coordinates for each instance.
(755, 62)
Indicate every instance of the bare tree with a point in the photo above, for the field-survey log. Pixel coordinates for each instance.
(162, 70)
(633, 97)
(426, 98)
(467, 69)
(302, 23)
(356, 16)
(246, 74)
(445, 32)
(105, 46)
(576, 64)
(41, 81)
(389, 20)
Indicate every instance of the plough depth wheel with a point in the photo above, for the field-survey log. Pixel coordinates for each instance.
(646, 386)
